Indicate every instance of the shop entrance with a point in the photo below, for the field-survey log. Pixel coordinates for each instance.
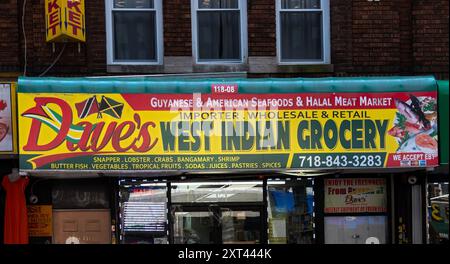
(81, 226)
(192, 212)
(217, 224)
(217, 212)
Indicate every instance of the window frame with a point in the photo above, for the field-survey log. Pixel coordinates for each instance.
(109, 8)
(325, 9)
(242, 7)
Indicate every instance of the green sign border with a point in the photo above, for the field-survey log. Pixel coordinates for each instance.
(257, 85)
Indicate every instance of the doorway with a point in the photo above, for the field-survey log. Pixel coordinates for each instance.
(194, 212)
(81, 226)
(217, 212)
(217, 224)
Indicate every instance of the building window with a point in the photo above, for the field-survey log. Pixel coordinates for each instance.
(219, 30)
(134, 31)
(303, 31)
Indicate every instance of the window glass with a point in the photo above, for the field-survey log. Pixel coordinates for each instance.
(133, 4)
(219, 35)
(355, 229)
(217, 29)
(300, 4)
(143, 213)
(241, 226)
(301, 36)
(208, 192)
(216, 224)
(217, 3)
(192, 228)
(303, 31)
(291, 211)
(134, 35)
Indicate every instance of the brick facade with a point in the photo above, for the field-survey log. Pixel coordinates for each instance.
(177, 28)
(261, 28)
(389, 37)
(430, 37)
(375, 37)
(399, 37)
(9, 36)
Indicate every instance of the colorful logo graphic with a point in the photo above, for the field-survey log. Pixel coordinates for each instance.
(84, 138)
(106, 106)
(52, 119)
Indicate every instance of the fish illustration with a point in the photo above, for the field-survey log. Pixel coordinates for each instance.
(396, 131)
(426, 141)
(412, 116)
(415, 105)
(407, 111)
(412, 129)
(421, 142)
(431, 116)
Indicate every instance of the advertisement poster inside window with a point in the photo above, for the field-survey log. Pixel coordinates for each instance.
(355, 195)
(40, 220)
(7, 128)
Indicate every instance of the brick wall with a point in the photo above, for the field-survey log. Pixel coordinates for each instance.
(405, 25)
(365, 37)
(9, 36)
(398, 37)
(261, 28)
(341, 35)
(96, 37)
(177, 28)
(430, 37)
(401, 37)
(85, 59)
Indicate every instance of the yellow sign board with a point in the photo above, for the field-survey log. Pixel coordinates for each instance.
(111, 131)
(65, 20)
(40, 220)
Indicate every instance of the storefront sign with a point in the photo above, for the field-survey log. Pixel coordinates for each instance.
(137, 131)
(355, 195)
(7, 118)
(65, 20)
(439, 218)
(40, 220)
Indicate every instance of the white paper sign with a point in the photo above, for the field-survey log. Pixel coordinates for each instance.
(355, 195)
(279, 228)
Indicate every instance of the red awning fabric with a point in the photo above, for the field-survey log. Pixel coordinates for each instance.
(16, 220)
